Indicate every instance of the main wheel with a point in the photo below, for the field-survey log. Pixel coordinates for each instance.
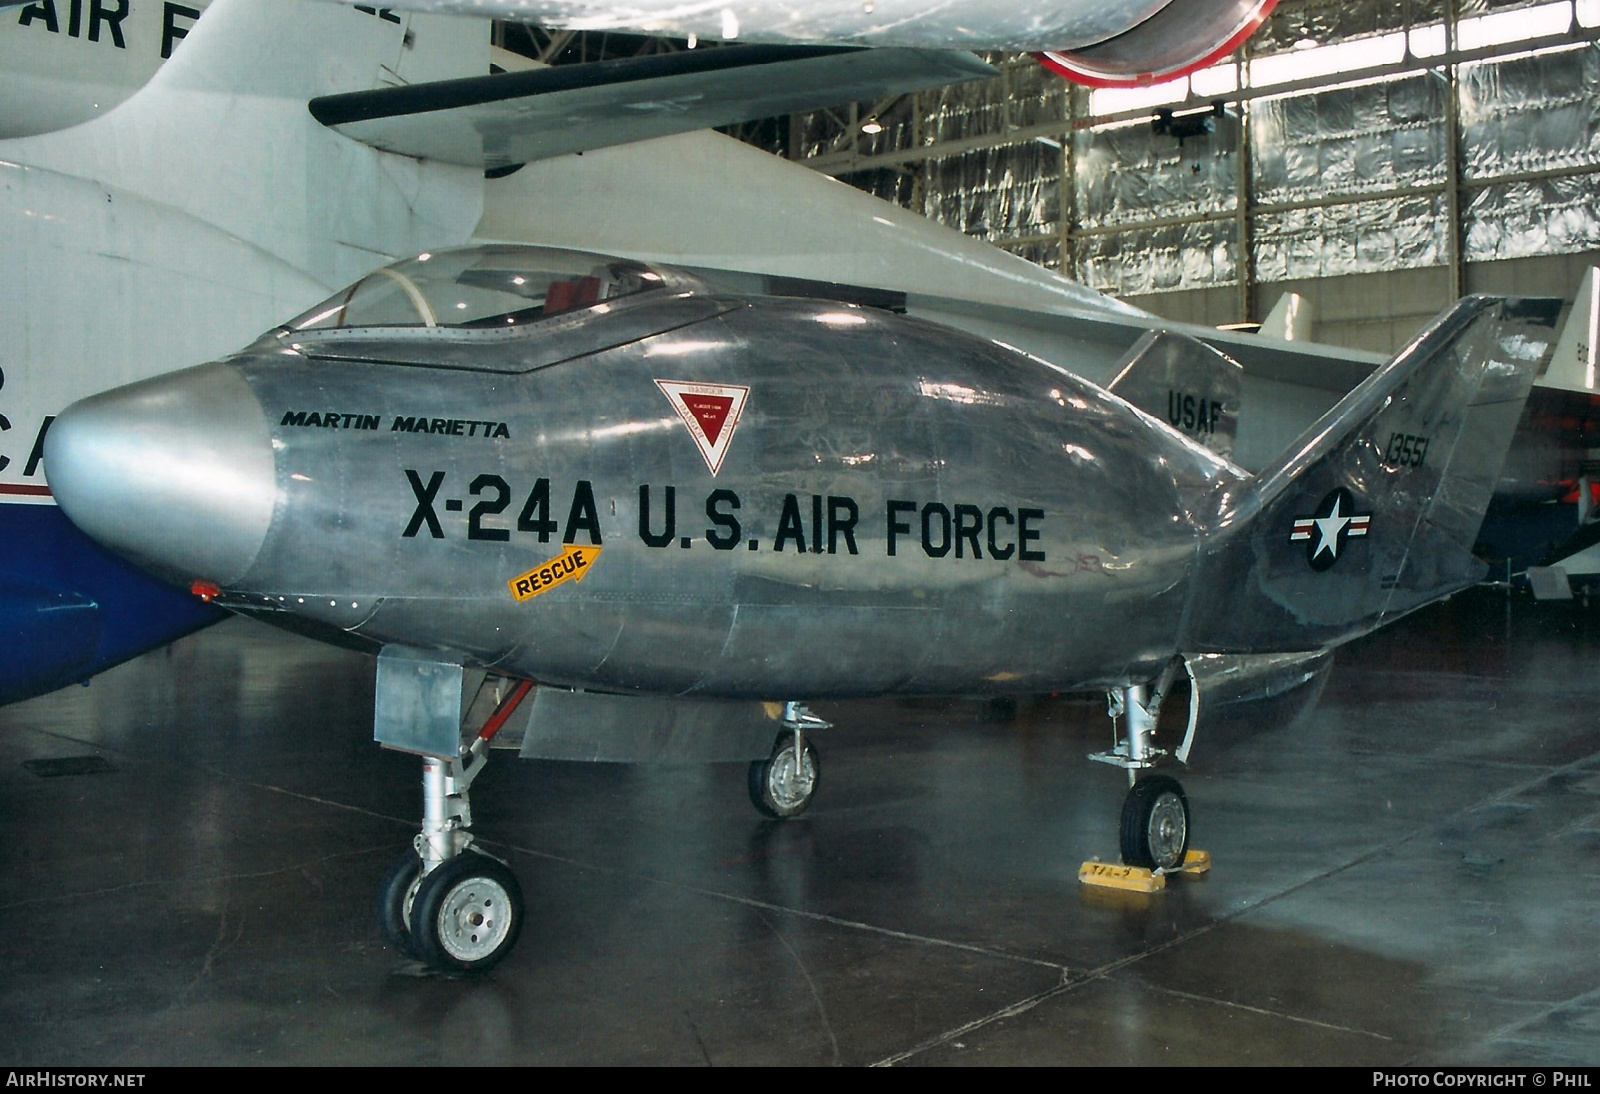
(395, 898)
(780, 787)
(467, 913)
(1155, 824)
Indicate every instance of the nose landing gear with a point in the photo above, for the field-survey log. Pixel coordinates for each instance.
(446, 903)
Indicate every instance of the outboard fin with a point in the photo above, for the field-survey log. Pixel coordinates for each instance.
(1187, 384)
(1572, 367)
(1374, 511)
(1290, 320)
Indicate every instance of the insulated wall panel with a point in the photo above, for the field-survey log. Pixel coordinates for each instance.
(1521, 219)
(1349, 141)
(1130, 173)
(1009, 190)
(1137, 262)
(1361, 237)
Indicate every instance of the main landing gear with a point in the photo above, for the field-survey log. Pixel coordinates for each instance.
(781, 786)
(445, 903)
(1154, 833)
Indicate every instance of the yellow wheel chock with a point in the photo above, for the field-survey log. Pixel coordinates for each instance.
(1138, 879)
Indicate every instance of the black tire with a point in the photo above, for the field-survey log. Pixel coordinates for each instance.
(774, 790)
(393, 897)
(467, 914)
(1155, 824)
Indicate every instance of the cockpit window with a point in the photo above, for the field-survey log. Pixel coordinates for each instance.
(479, 287)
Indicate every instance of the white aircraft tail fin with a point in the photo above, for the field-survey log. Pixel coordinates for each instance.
(1572, 367)
(1290, 319)
(222, 133)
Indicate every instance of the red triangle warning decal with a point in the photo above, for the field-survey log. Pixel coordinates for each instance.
(711, 411)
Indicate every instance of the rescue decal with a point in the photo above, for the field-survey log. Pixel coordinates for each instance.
(1326, 531)
(572, 564)
(711, 413)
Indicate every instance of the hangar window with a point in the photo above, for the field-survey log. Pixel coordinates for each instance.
(480, 287)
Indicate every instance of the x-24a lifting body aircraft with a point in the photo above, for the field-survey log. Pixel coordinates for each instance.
(685, 512)
(993, 506)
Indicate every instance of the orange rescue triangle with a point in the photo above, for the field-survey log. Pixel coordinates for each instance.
(571, 565)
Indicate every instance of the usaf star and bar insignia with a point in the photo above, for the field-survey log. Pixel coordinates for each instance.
(1327, 531)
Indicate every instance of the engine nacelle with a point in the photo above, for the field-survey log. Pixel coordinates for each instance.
(1175, 41)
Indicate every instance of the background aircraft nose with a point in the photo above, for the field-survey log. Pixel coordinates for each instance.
(174, 473)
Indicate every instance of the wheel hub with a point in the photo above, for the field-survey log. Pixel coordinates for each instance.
(1168, 830)
(474, 919)
(791, 783)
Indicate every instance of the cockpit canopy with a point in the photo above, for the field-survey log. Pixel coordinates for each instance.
(495, 308)
(485, 287)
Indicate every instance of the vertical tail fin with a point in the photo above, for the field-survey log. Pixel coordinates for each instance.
(1373, 512)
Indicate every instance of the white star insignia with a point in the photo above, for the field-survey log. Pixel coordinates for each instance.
(1328, 528)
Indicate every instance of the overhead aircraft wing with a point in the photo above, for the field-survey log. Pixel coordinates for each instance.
(511, 118)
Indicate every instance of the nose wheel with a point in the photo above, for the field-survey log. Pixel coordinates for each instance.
(467, 914)
(396, 896)
(781, 786)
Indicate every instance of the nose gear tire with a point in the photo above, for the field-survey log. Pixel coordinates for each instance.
(467, 914)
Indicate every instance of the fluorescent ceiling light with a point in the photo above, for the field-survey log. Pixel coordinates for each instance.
(1113, 100)
(1305, 64)
(1218, 80)
(1539, 21)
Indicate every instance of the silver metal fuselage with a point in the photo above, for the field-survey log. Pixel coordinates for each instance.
(900, 508)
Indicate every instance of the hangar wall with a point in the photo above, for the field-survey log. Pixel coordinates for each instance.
(1380, 156)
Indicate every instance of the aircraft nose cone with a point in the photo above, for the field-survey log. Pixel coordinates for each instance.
(174, 473)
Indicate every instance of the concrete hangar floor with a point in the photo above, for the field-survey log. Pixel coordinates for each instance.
(1409, 875)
